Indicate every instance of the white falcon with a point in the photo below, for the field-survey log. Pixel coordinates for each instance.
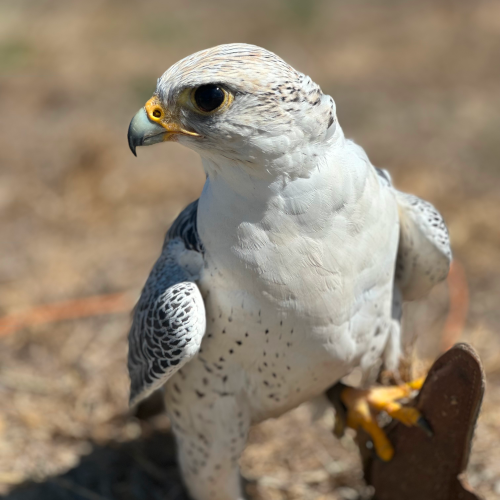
(286, 274)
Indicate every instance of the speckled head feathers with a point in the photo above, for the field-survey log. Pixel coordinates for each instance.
(274, 108)
(251, 68)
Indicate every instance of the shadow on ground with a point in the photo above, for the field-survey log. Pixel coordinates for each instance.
(144, 469)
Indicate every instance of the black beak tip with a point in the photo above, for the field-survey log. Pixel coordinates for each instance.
(133, 141)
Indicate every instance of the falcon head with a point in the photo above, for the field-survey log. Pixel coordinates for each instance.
(235, 102)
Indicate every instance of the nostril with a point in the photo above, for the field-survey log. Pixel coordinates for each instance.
(157, 113)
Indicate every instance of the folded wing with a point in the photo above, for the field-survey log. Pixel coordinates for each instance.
(169, 319)
(424, 253)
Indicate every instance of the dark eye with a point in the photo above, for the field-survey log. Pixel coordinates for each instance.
(209, 97)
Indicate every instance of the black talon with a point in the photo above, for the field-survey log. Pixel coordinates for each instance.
(425, 426)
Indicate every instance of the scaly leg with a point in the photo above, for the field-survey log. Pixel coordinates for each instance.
(362, 406)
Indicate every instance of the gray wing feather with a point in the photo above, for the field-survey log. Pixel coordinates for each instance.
(424, 253)
(169, 319)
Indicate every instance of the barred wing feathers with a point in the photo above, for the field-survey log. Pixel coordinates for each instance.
(169, 319)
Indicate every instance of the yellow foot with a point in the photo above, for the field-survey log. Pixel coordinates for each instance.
(363, 405)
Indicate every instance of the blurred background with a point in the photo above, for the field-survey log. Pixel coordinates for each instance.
(417, 84)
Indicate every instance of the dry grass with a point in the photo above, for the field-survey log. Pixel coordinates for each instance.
(416, 83)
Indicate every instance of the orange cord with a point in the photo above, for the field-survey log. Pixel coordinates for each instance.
(124, 301)
(72, 309)
(458, 308)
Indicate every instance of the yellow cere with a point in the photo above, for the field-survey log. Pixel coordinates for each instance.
(166, 118)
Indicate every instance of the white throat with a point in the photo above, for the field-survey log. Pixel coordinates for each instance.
(241, 209)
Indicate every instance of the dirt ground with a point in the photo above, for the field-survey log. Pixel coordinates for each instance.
(416, 83)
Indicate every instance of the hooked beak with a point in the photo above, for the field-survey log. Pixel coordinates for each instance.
(142, 132)
(153, 124)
